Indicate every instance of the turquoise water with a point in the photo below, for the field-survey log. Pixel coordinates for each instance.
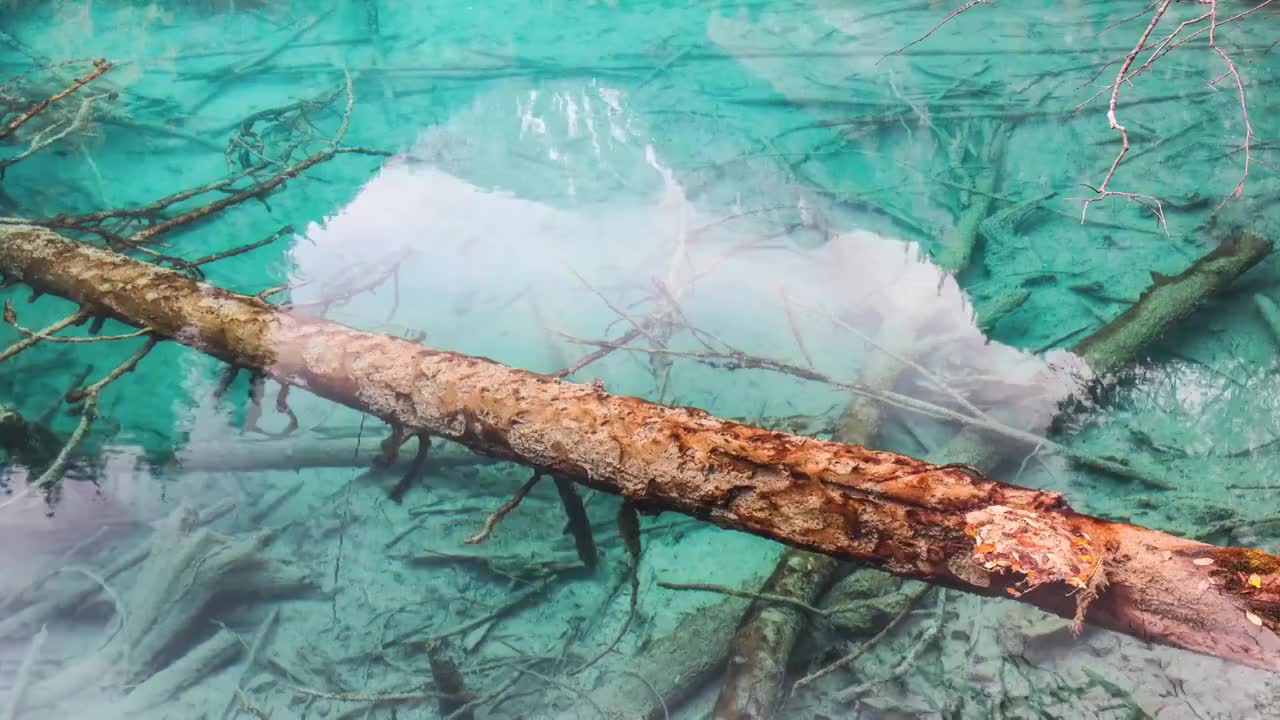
(534, 175)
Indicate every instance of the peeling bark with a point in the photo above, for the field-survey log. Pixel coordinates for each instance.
(757, 663)
(939, 523)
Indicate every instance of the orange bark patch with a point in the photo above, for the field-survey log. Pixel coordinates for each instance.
(1042, 548)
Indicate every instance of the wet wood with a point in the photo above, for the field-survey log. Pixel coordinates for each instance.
(944, 524)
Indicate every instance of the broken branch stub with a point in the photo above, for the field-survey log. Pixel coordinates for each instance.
(908, 516)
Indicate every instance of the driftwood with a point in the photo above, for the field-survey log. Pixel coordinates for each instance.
(944, 524)
(204, 660)
(267, 455)
(1168, 300)
(40, 604)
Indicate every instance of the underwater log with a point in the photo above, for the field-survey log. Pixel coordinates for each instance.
(667, 671)
(1169, 299)
(945, 524)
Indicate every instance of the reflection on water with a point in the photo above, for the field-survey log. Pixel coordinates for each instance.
(544, 280)
(696, 184)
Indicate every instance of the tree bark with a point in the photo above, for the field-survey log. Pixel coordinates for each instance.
(939, 523)
(753, 684)
(757, 662)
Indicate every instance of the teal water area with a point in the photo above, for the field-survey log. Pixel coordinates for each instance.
(519, 179)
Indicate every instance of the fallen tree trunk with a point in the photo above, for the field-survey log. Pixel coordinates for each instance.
(939, 523)
(757, 665)
(285, 455)
(757, 661)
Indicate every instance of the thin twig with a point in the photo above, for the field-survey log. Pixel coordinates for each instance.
(762, 597)
(636, 325)
(241, 249)
(24, 674)
(365, 697)
(35, 337)
(260, 639)
(504, 509)
(866, 646)
(516, 601)
(127, 366)
(565, 686)
(934, 29)
(115, 599)
(38, 335)
(54, 472)
(1244, 106)
(662, 703)
(47, 137)
(150, 210)
(923, 642)
(1160, 49)
(595, 355)
(332, 149)
(88, 412)
(469, 707)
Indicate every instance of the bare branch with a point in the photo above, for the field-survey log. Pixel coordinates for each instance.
(37, 335)
(492, 521)
(258, 190)
(100, 66)
(1102, 190)
(1158, 50)
(934, 29)
(34, 337)
(866, 646)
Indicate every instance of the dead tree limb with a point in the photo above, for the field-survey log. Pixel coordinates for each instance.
(961, 239)
(757, 663)
(944, 524)
(267, 455)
